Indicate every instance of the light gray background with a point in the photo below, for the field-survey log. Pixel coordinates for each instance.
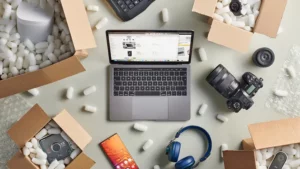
(181, 17)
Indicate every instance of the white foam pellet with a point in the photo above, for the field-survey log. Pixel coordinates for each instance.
(43, 166)
(280, 30)
(101, 23)
(156, 167)
(89, 90)
(22, 71)
(202, 54)
(53, 124)
(47, 127)
(19, 63)
(41, 134)
(50, 49)
(55, 31)
(45, 64)
(239, 24)
(63, 26)
(248, 8)
(38, 57)
(218, 17)
(244, 1)
(39, 161)
(255, 13)
(7, 11)
(63, 48)
(14, 37)
(223, 147)
(220, 5)
(28, 145)
(57, 52)
(202, 109)
(33, 68)
(93, 8)
(71, 47)
(291, 71)
(12, 44)
(223, 10)
(65, 136)
(288, 150)
(69, 93)
(244, 11)
(61, 161)
(259, 157)
(41, 45)
(52, 58)
(263, 152)
(165, 15)
(31, 59)
(4, 76)
(67, 39)
(57, 7)
(60, 166)
(222, 118)
(286, 167)
(225, 2)
(41, 154)
(15, 3)
(248, 28)
(28, 43)
(32, 150)
(297, 147)
(227, 18)
(5, 70)
(148, 144)
(53, 164)
(43, 4)
(140, 127)
(64, 56)
(89, 108)
(4, 35)
(54, 131)
(14, 71)
(75, 153)
(3, 41)
(67, 160)
(34, 142)
(281, 93)
(26, 151)
(256, 6)
(251, 18)
(34, 92)
(1, 67)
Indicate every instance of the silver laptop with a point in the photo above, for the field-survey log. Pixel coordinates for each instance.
(149, 74)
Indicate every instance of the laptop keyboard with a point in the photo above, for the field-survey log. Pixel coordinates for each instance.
(150, 81)
(127, 5)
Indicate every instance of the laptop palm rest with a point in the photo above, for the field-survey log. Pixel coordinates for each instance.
(150, 108)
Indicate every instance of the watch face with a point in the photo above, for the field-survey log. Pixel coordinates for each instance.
(278, 161)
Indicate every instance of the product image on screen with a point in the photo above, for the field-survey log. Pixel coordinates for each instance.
(150, 46)
(117, 153)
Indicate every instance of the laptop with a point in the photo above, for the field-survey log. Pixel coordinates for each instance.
(149, 74)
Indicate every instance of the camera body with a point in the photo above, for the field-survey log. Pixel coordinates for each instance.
(239, 94)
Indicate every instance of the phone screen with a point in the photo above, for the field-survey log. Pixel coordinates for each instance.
(118, 154)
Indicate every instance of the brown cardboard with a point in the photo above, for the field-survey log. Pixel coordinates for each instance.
(275, 133)
(82, 161)
(239, 160)
(73, 129)
(205, 7)
(230, 36)
(36, 119)
(82, 37)
(28, 126)
(248, 144)
(269, 19)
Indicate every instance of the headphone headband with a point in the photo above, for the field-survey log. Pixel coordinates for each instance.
(207, 154)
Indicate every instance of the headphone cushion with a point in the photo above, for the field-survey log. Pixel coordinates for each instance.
(174, 151)
(186, 163)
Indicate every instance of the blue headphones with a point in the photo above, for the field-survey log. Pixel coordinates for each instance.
(173, 150)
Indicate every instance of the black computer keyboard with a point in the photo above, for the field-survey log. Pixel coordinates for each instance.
(150, 82)
(128, 9)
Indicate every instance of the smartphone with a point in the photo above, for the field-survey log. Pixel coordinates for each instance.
(278, 161)
(117, 153)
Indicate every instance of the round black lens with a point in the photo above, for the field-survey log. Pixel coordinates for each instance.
(236, 7)
(263, 57)
(55, 147)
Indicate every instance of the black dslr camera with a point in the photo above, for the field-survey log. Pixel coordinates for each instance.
(239, 95)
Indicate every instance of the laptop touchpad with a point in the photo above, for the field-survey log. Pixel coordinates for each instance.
(150, 108)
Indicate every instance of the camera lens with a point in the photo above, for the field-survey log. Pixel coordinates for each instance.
(236, 7)
(281, 157)
(263, 57)
(55, 147)
(223, 81)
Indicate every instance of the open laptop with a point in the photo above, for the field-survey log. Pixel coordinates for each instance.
(149, 74)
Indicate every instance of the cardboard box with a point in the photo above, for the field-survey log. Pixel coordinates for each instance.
(32, 122)
(267, 23)
(264, 135)
(82, 37)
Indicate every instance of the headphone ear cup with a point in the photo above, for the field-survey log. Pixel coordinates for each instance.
(174, 151)
(185, 163)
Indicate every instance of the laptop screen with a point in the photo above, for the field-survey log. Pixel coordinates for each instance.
(150, 46)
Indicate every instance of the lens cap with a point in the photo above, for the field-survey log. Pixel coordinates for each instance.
(236, 7)
(263, 57)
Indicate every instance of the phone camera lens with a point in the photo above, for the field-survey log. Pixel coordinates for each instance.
(56, 147)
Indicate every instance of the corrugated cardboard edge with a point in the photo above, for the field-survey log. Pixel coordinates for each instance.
(239, 160)
(230, 36)
(28, 126)
(275, 133)
(270, 16)
(205, 7)
(81, 162)
(73, 129)
(81, 54)
(50, 74)
(19, 161)
(248, 144)
(78, 23)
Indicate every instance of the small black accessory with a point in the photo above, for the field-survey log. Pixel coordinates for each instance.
(236, 7)
(239, 95)
(263, 57)
(278, 161)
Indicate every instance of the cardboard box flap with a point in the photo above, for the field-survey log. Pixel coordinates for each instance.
(275, 133)
(205, 7)
(82, 161)
(239, 160)
(230, 36)
(269, 19)
(73, 129)
(78, 23)
(28, 126)
(248, 144)
(20, 161)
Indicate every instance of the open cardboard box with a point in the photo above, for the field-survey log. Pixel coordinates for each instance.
(264, 135)
(32, 122)
(267, 23)
(82, 37)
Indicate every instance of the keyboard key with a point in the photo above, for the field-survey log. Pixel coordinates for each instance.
(135, 73)
(147, 88)
(155, 73)
(143, 78)
(116, 73)
(161, 73)
(158, 78)
(149, 83)
(138, 78)
(116, 88)
(178, 93)
(122, 88)
(152, 88)
(117, 78)
(133, 78)
(140, 83)
(134, 83)
(130, 73)
(116, 93)
(165, 83)
(173, 93)
(128, 78)
(132, 88)
(178, 78)
(183, 73)
(131, 93)
(159, 83)
(150, 73)
(121, 73)
(170, 83)
(157, 88)
(137, 88)
(184, 93)
(173, 88)
(128, 2)
(172, 73)
(125, 73)
(123, 6)
(126, 88)
(173, 78)
(121, 93)
(163, 88)
(126, 93)
(136, 2)
(120, 2)
(146, 74)
(124, 83)
(142, 88)
(145, 83)
(163, 93)
(154, 83)
(168, 88)
(169, 93)
(129, 83)
(118, 83)
(126, 9)
(123, 78)
(164, 78)
(149, 78)
(153, 78)
(147, 93)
